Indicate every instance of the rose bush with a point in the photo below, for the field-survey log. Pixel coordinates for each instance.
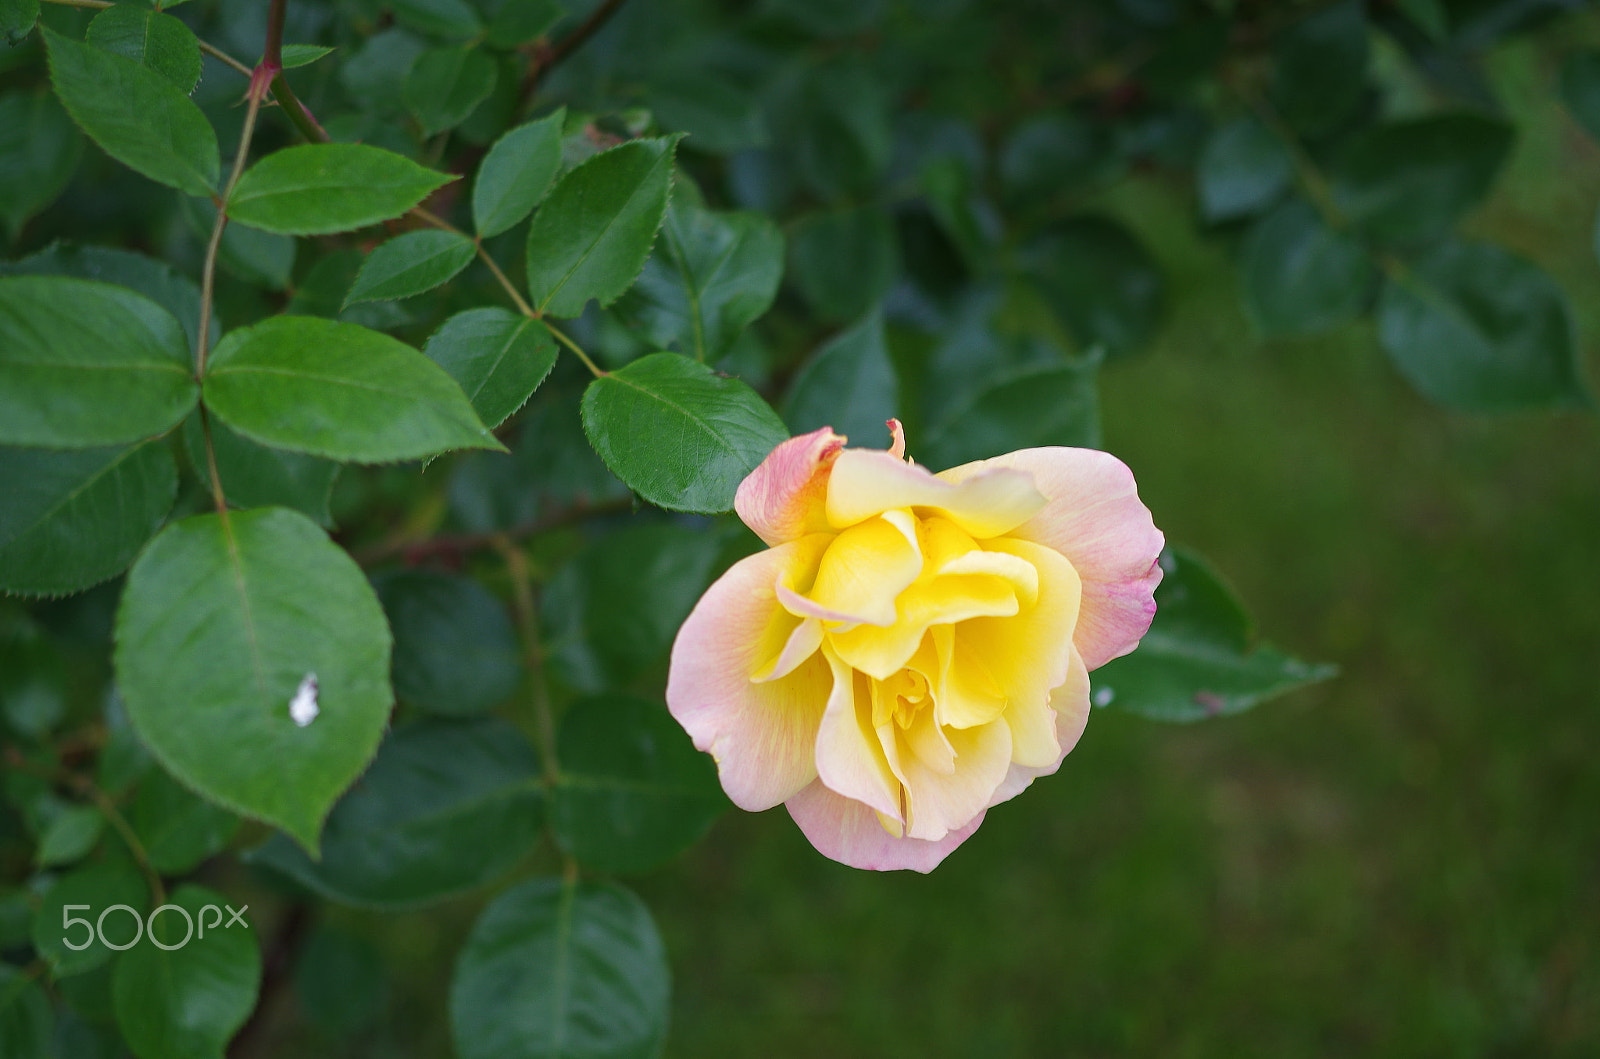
(912, 648)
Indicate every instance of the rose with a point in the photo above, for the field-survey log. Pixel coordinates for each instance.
(911, 648)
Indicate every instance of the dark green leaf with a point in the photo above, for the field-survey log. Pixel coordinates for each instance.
(411, 264)
(633, 791)
(339, 980)
(1477, 329)
(76, 517)
(1243, 170)
(516, 173)
(1197, 660)
(150, 39)
(138, 116)
(678, 434)
(447, 84)
(178, 829)
(965, 218)
(1049, 153)
(848, 384)
(39, 149)
(447, 806)
(296, 55)
(450, 19)
(322, 291)
(156, 280)
(87, 364)
(1029, 409)
(33, 694)
(1300, 276)
(257, 257)
(339, 391)
(1430, 15)
(1100, 281)
(17, 18)
(320, 188)
(711, 275)
(176, 1000)
(26, 1018)
(844, 261)
(612, 612)
(93, 888)
(498, 357)
(517, 22)
(375, 73)
(718, 117)
(70, 835)
(222, 626)
(1410, 181)
(594, 232)
(561, 970)
(256, 476)
(843, 128)
(1320, 73)
(455, 652)
(1580, 89)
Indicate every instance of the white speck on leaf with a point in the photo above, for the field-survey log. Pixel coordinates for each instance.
(1103, 696)
(303, 707)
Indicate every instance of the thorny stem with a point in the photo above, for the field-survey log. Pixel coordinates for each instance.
(561, 51)
(527, 612)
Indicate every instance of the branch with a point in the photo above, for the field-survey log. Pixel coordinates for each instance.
(564, 49)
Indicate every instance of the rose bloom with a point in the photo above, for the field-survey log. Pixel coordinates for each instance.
(911, 648)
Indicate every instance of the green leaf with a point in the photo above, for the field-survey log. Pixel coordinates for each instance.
(1320, 73)
(844, 261)
(1477, 329)
(88, 364)
(447, 806)
(1197, 660)
(39, 149)
(256, 476)
(1051, 152)
(718, 115)
(156, 280)
(1100, 281)
(150, 39)
(178, 829)
(594, 232)
(297, 55)
(845, 139)
(1410, 181)
(321, 188)
(1429, 15)
(1580, 89)
(70, 835)
(455, 652)
(374, 74)
(445, 85)
(17, 18)
(97, 885)
(189, 1000)
(74, 518)
(339, 391)
(678, 434)
(33, 695)
(517, 22)
(138, 116)
(339, 980)
(1300, 276)
(711, 275)
(321, 293)
(611, 613)
(220, 627)
(450, 19)
(26, 1018)
(411, 264)
(498, 357)
(848, 384)
(1243, 170)
(558, 970)
(1036, 407)
(516, 173)
(633, 791)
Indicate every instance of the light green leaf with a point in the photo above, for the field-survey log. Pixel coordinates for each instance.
(447, 806)
(678, 434)
(321, 188)
(1032, 408)
(1300, 276)
(88, 364)
(456, 653)
(138, 116)
(1101, 282)
(711, 275)
(1243, 170)
(516, 173)
(557, 970)
(99, 885)
(156, 280)
(1197, 660)
(1477, 329)
(186, 1000)
(178, 829)
(70, 835)
(594, 232)
(339, 391)
(848, 384)
(39, 149)
(73, 518)
(498, 357)
(633, 791)
(222, 624)
(150, 39)
(256, 476)
(445, 85)
(844, 261)
(411, 264)
(296, 55)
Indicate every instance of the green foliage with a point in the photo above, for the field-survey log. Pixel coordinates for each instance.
(445, 85)
(151, 39)
(848, 384)
(318, 188)
(497, 357)
(517, 173)
(39, 149)
(410, 264)
(455, 652)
